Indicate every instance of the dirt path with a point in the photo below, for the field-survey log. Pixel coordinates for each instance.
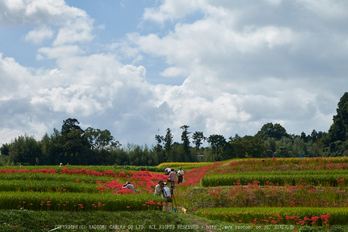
(202, 224)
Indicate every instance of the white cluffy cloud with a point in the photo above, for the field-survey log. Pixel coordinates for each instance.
(236, 65)
(38, 35)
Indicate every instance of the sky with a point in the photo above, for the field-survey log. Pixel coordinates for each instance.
(138, 67)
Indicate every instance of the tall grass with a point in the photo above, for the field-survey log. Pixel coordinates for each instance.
(48, 186)
(282, 178)
(79, 201)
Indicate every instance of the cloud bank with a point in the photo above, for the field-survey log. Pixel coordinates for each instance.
(237, 65)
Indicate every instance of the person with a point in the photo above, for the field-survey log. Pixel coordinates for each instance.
(167, 170)
(128, 185)
(172, 178)
(167, 196)
(180, 175)
(158, 188)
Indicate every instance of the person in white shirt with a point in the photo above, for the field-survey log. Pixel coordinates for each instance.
(167, 170)
(166, 195)
(180, 175)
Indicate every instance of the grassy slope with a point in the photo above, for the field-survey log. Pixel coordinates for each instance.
(34, 221)
(26, 221)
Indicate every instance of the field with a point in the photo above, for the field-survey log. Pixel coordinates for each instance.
(295, 194)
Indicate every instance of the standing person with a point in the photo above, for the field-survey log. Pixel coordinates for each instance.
(172, 178)
(167, 170)
(180, 175)
(159, 188)
(128, 185)
(167, 196)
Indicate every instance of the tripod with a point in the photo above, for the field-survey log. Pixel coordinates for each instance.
(173, 197)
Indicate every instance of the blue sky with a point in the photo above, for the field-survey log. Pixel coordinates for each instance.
(139, 67)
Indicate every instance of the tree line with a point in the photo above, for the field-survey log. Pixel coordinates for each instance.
(73, 145)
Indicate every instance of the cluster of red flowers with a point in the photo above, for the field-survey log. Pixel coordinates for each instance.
(143, 179)
(296, 220)
(64, 170)
(194, 176)
(84, 171)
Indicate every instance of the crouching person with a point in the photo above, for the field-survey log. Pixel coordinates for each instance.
(129, 185)
(158, 188)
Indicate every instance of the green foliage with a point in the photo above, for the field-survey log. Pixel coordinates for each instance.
(186, 144)
(48, 177)
(5, 149)
(24, 149)
(254, 195)
(79, 201)
(338, 132)
(247, 147)
(269, 130)
(34, 221)
(268, 215)
(51, 186)
(329, 177)
(217, 142)
(168, 139)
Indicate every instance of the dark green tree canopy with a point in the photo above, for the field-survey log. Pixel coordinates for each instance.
(5, 149)
(269, 130)
(69, 125)
(198, 138)
(339, 128)
(337, 137)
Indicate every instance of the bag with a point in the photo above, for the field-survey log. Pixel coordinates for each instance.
(168, 179)
(169, 199)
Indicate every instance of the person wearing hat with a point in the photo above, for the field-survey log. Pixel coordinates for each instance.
(158, 188)
(180, 175)
(128, 185)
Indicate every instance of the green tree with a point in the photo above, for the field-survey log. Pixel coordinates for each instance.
(217, 142)
(5, 149)
(314, 136)
(25, 150)
(168, 139)
(198, 138)
(186, 144)
(248, 147)
(75, 145)
(55, 149)
(45, 144)
(337, 136)
(159, 148)
(269, 130)
(100, 139)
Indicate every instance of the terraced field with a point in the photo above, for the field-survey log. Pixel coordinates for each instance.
(248, 194)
